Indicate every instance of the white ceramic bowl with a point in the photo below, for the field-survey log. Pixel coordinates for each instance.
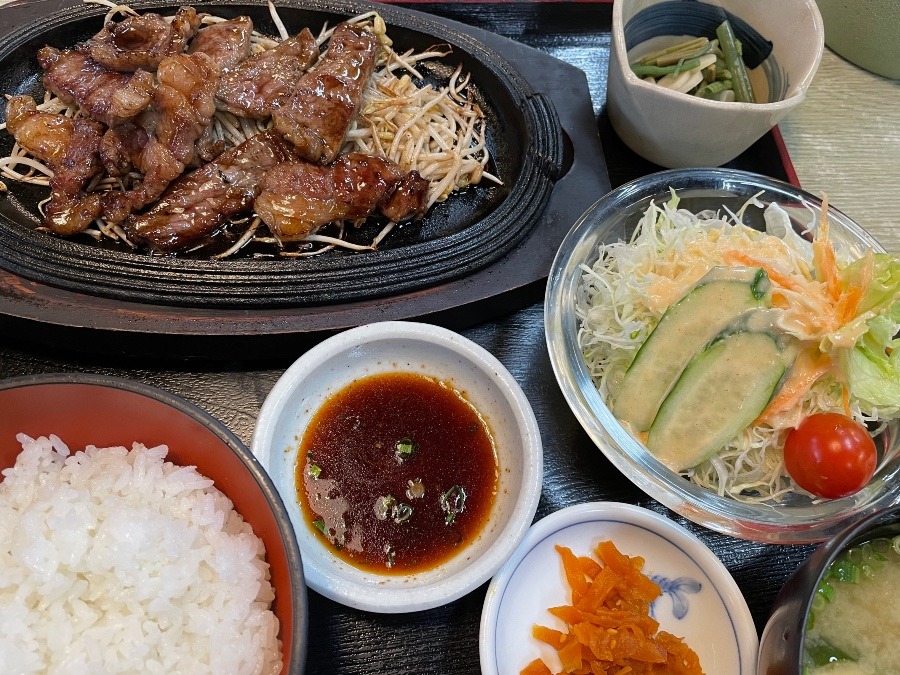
(678, 130)
(427, 350)
(700, 602)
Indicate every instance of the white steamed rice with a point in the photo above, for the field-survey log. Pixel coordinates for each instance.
(114, 561)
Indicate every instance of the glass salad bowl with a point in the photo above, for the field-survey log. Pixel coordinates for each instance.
(794, 517)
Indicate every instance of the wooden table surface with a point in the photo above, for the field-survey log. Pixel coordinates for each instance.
(843, 140)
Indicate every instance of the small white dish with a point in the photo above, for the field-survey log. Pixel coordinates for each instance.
(429, 350)
(678, 130)
(700, 602)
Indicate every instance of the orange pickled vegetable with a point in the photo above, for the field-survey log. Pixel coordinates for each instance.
(536, 667)
(610, 630)
(554, 638)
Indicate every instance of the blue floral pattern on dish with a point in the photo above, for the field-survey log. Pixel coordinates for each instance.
(678, 589)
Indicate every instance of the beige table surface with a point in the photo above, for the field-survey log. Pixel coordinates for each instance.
(844, 140)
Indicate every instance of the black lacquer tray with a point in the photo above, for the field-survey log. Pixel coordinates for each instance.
(459, 236)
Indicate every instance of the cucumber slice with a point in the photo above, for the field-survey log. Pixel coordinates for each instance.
(686, 328)
(722, 390)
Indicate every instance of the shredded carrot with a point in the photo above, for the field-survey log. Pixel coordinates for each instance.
(780, 300)
(603, 584)
(824, 260)
(845, 400)
(808, 367)
(555, 638)
(589, 566)
(609, 627)
(847, 306)
(783, 280)
(574, 573)
(571, 656)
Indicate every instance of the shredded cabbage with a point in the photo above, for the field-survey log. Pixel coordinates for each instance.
(821, 301)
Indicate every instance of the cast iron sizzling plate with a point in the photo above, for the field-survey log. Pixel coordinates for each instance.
(466, 233)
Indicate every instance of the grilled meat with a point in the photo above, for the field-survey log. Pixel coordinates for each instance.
(141, 42)
(198, 203)
(182, 109)
(299, 197)
(121, 148)
(103, 94)
(70, 147)
(321, 108)
(227, 43)
(263, 82)
(408, 201)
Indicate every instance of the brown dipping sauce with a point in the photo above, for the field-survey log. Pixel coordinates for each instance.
(397, 471)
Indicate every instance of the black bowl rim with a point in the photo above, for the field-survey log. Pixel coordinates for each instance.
(289, 539)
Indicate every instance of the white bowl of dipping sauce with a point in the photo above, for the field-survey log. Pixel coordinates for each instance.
(360, 501)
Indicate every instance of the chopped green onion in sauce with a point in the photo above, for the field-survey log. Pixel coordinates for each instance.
(401, 513)
(383, 506)
(404, 449)
(453, 502)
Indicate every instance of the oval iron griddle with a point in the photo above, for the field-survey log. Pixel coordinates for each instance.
(464, 234)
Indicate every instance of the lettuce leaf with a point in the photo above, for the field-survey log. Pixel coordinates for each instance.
(884, 292)
(872, 368)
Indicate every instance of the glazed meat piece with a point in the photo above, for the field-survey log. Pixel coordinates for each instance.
(409, 200)
(206, 148)
(104, 95)
(182, 109)
(141, 42)
(319, 112)
(45, 135)
(121, 148)
(183, 104)
(198, 203)
(120, 151)
(227, 43)
(70, 147)
(264, 81)
(299, 197)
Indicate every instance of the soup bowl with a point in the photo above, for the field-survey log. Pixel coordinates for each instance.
(781, 646)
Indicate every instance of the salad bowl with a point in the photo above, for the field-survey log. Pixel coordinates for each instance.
(794, 515)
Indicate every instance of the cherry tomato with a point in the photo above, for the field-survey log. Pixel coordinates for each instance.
(830, 455)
